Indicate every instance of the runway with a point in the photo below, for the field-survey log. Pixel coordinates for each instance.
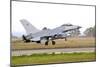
(58, 50)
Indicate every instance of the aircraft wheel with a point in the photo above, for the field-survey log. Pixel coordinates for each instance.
(46, 43)
(27, 41)
(53, 42)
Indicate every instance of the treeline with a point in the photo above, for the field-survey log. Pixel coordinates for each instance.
(89, 32)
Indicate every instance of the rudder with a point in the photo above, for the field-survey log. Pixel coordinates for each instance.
(30, 29)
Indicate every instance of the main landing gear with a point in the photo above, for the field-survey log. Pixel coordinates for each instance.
(53, 42)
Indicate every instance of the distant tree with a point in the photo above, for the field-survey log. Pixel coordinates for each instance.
(90, 32)
(75, 33)
(94, 31)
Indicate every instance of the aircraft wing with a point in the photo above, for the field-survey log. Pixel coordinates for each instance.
(50, 33)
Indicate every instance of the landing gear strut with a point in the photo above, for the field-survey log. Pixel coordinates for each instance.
(65, 39)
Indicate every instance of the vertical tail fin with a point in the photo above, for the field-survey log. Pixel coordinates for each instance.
(30, 29)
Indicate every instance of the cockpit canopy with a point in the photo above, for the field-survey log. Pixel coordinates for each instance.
(45, 28)
(67, 25)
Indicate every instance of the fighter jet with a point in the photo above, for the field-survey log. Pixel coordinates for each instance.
(35, 35)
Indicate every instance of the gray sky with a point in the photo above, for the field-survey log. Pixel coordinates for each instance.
(51, 15)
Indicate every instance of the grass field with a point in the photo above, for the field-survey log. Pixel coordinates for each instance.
(53, 58)
(60, 43)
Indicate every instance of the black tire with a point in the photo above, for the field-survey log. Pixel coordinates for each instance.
(46, 43)
(27, 41)
(53, 42)
(38, 42)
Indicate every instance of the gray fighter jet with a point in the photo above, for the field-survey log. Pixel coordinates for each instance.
(35, 35)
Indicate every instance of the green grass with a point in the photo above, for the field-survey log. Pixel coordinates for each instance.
(53, 58)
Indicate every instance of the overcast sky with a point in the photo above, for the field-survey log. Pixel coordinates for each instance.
(51, 15)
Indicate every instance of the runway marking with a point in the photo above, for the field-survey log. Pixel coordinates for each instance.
(61, 50)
